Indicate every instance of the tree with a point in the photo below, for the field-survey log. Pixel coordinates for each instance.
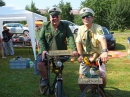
(47, 14)
(100, 8)
(119, 15)
(2, 3)
(66, 11)
(33, 8)
(78, 20)
(113, 14)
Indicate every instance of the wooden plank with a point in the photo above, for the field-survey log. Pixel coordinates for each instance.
(90, 81)
(60, 52)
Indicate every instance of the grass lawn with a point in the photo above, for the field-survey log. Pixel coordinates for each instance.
(23, 82)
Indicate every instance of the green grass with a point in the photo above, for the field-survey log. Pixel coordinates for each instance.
(121, 42)
(23, 82)
(125, 31)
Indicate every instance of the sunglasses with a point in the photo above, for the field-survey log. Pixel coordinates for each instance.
(54, 16)
(87, 16)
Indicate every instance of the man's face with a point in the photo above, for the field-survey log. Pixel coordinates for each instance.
(87, 20)
(55, 19)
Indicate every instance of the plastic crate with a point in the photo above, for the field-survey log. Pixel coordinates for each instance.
(19, 64)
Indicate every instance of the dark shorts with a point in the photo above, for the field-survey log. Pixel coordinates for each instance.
(39, 58)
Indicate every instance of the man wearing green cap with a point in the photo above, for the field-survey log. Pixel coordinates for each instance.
(90, 39)
(53, 37)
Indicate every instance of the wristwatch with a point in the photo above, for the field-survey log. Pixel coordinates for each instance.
(104, 50)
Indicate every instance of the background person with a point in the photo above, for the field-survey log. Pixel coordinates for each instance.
(53, 37)
(1, 47)
(8, 44)
(90, 39)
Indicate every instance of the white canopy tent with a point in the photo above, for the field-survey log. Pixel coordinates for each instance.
(11, 13)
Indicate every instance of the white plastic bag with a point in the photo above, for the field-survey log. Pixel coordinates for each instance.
(102, 69)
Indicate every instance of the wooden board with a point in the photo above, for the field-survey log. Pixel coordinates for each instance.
(60, 52)
(90, 81)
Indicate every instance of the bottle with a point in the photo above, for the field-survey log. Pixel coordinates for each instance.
(31, 64)
(36, 72)
(28, 62)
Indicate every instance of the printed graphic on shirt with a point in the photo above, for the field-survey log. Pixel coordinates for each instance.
(100, 32)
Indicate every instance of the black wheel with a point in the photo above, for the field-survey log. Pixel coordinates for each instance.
(93, 91)
(75, 31)
(59, 89)
(26, 32)
(43, 90)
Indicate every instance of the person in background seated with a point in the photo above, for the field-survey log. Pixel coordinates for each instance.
(1, 47)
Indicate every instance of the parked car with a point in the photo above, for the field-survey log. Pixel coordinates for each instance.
(73, 27)
(111, 42)
(17, 28)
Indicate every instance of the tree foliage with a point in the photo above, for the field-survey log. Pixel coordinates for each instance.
(47, 14)
(113, 14)
(78, 19)
(33, 8)
(119, 15)
(2, 3)
(100, 8)
(66, 11)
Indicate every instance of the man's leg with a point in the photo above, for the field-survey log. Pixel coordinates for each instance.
(42, 70)
(82, 70)
(6, 48)
(81, 86)
(2, 52)
(103, 76)
(10, 44)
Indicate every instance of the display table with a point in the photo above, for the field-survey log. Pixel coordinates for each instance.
(21, 43)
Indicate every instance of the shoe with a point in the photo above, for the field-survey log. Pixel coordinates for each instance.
(43, 82)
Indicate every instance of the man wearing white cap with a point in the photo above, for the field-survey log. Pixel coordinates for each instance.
(53, 37)
(90, 39)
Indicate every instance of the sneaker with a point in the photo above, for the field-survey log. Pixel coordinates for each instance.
(43, 82)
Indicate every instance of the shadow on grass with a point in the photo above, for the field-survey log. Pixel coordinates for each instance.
(115, 92)
(120, 46)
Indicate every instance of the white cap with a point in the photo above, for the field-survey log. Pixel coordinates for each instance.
(85, 10)
(54, 10)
